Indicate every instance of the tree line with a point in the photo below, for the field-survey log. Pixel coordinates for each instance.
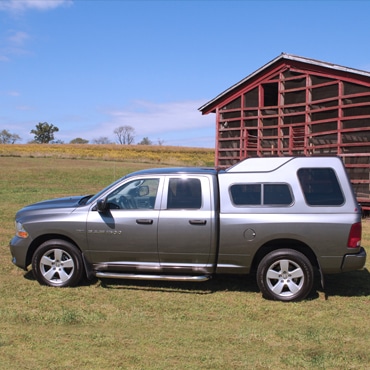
(44, 134)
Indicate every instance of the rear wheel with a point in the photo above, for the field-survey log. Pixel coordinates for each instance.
(57, 263)
(285, 275)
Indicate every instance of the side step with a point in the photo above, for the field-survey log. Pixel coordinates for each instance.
(115, 275)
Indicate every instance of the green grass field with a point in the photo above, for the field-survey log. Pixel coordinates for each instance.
(109, 324)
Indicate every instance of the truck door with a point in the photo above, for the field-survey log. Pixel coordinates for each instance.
(185, 225)
(125, 236)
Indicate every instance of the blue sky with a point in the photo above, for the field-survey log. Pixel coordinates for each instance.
(90, 66)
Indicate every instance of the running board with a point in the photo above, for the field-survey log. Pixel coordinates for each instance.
(114, 275)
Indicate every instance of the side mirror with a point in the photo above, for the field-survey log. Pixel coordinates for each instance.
(101, 205)
(143, 191)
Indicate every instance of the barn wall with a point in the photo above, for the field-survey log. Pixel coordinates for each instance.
(295, 111)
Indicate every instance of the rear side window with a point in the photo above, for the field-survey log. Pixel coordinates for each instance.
(261, 194)
(246, 194)
(184, 193)
(320, 187)
(277, 195)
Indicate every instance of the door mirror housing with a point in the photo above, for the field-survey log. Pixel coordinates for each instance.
(143, 191)
(101, 205)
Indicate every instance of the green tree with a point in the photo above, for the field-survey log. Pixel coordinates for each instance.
(44, 133)
(79, 140)
(8, 138)
(145, 141)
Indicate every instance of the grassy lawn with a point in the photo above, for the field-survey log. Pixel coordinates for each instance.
(110, 324)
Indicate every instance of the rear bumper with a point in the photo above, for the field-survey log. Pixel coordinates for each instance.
(353, 262)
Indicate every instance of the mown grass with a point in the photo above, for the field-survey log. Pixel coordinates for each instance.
(111, 324)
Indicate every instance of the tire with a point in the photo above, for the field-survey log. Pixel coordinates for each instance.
(57, 263)
(285, 275)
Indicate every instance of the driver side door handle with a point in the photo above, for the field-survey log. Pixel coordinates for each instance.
(197, 222)
(144, 221)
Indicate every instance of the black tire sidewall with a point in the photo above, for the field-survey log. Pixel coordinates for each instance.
(295, 256)
(70, 249)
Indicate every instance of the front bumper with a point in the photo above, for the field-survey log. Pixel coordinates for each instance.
(353, 262)
(19, 249)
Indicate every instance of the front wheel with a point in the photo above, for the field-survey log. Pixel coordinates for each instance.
(285, 275)
(57, 263)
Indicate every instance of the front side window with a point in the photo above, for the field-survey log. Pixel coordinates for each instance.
(320, 187)
(184, 193)
(136, 194)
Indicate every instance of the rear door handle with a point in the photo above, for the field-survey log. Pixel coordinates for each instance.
(144, 221)
(197, 222)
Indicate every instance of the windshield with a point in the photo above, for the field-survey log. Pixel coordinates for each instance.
(98, 195)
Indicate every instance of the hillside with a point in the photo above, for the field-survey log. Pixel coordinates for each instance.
(164, 155)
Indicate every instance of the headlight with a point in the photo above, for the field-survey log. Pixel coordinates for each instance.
(20, 231)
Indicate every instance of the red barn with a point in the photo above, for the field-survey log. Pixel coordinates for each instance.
(301, 107)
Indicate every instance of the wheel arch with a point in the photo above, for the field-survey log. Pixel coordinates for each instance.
(42, 239)
(277, 244)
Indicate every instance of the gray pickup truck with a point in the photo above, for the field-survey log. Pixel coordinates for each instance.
(280, 218)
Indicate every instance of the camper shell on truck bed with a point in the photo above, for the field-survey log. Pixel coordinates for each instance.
(278, 218)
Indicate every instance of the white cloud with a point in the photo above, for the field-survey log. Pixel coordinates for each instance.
(150, 118)
(176, 123)
(18, 37)
(3, 58)
(14, 44)
(16, 6)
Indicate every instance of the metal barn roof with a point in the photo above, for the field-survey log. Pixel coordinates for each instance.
(283, 56)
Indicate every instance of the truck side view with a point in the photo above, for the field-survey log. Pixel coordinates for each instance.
(279, 218)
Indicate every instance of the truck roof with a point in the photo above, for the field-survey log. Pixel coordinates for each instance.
(258, 164)
(269, 164)
(176, 170)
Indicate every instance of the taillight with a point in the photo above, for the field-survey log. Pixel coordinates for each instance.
(354, 238)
